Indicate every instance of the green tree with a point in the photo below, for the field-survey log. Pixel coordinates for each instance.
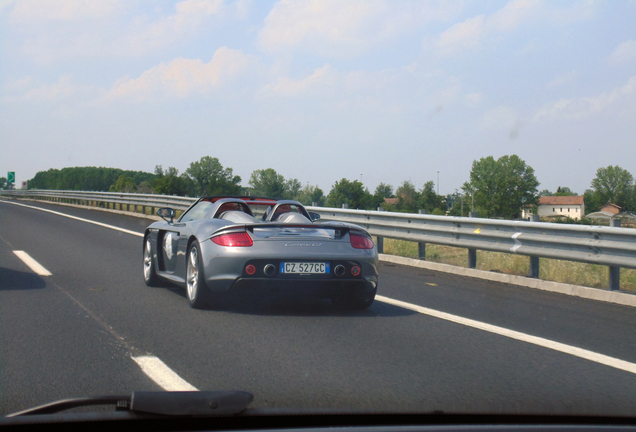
(565, 191)
(592, 201)
(85, 178)
(348, 192)
(267, 183)
(210, 178)
(311, 194)
(292, 189)
(382, 191)
(545, 193)
(124, 184)
(3, 182)
(408, 197)
(502, 187)
(171, 183)
(613, 184)
(429, 200)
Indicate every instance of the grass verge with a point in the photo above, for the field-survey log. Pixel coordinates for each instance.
(590, 275)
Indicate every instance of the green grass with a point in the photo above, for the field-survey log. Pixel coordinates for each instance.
(590, 275)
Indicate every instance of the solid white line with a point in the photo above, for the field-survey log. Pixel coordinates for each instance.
(161, 374)
(79, 219)
(33, 264)
(546, 343)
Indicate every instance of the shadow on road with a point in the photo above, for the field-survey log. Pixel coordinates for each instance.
(14, 280)
(286, 304)
(299, 305)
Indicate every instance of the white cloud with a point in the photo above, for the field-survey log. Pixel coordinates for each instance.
(564, 79)
(336, 28)
(25, 90)
(321, 81)
(625, 53)
(182, 77)
(464, 35)
(514, 14)
(55, 31)
(473, 99)
(579, 108)
(189, 16)
(470, 33)
(21, 11)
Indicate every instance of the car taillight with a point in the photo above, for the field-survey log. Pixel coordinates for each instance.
(360, 241)
(233, 239)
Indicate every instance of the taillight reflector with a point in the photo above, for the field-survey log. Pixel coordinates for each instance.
(360, 241)
(233, 239)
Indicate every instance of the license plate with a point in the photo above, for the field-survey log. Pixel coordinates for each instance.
(304, 267)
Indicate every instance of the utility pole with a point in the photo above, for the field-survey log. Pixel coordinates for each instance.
(437, 182)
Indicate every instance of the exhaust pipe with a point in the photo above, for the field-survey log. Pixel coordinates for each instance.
(269, 270)
(339, 270)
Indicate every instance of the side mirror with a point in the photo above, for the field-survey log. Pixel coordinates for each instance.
(166, 212)
(314, 216)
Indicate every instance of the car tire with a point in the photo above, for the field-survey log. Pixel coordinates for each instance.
(196, 289)
(354, 300)
(150, 272)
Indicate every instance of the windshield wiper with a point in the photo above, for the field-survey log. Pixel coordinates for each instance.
(185, 403)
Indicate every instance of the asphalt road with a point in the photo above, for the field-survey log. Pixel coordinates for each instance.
(75, 333)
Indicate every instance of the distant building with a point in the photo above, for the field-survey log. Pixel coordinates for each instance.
(611, 208)
(565, 206)
(392, 201)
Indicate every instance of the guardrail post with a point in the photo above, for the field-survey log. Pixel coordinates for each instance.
(615, 272)
(534, 260)
(421, 246)
(380, 244)
(472, 253)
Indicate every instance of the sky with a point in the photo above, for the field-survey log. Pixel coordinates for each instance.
(374, 90)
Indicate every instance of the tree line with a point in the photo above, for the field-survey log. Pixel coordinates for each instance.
(496, 187)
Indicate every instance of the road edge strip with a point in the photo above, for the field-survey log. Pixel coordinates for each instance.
(616, 297)
(513, 334)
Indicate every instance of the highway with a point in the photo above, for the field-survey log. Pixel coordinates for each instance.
(87, 328)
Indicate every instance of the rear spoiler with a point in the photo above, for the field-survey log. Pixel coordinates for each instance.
(340, 230)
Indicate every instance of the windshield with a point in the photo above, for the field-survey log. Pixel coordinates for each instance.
(469, 168)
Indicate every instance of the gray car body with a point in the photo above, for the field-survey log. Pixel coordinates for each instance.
(293, 238)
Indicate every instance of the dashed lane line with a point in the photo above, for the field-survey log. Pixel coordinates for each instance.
(535, 340)
(33, 264)
(162, 375)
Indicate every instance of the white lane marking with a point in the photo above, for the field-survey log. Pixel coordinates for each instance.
(33, 264)
(79, 219)
(161, 374)
(546, 343)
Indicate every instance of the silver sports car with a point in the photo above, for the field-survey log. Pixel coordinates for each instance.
(222, 244)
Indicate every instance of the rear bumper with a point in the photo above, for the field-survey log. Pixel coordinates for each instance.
(325, 288)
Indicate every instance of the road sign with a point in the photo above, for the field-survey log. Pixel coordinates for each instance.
(24, 185)
(11, 177)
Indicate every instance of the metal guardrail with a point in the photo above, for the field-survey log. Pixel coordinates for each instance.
(611, 246)
(101, 199)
